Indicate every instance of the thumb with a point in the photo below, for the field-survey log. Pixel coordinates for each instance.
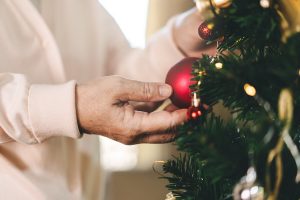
(145, 91)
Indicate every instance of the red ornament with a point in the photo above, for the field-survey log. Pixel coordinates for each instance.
(194, 112)
(179, 77)
(209, 31)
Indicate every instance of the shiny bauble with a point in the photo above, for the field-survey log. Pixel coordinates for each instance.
(209, 30)
(248, 188)
(179, 77)
(246, 192)
(221, 3)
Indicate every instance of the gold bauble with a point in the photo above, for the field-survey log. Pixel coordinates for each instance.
(221, 3)
(204, 4)
(289, 12)
(285, 106)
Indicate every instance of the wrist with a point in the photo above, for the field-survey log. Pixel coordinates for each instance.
(80, 108)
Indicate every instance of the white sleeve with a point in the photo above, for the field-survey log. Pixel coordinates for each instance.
(32, 113)
(149, 64)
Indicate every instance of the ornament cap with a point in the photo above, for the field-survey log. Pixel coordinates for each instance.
(195, 100)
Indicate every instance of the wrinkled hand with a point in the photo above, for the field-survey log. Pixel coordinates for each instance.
(103, 108)
(186, 34)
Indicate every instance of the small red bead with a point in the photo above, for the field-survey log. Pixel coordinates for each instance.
(194, 112)
(209, 30)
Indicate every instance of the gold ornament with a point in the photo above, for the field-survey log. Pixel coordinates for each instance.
(156, 164)
(247, 188)
(285, 112)
(285, 106)
(170, 196)
(289, 12)
(204, 6)
(221, 3)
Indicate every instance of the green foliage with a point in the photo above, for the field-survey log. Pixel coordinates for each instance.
(249, 27)
(189, 180)
(217, 154)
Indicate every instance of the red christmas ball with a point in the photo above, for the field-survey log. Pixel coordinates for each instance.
(209, 31)
(179, 77)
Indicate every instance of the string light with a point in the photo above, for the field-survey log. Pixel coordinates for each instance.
(210, 26)
(265, 3)
(219, 65)
(201, 73)
(249, 89)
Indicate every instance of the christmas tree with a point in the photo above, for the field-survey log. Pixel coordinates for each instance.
(255, 74)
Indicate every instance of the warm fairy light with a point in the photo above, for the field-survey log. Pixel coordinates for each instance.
(249, 89)
(299, 72)
(210, 26)
(199, 83)
(201, 73)
(219, 65)
(265, 3)
(194, 115)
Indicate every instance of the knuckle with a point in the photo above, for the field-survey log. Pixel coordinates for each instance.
(172, 138)
(131, 137)
(118, 80)
(168, 138)
(127, 139)
(147, 91)
(147, 139)
(117, 77)
(117, 83)
(127, 142)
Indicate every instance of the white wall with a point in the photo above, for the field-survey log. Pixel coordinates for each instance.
(131, 16)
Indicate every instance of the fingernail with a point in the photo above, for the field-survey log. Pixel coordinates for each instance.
(165, 90)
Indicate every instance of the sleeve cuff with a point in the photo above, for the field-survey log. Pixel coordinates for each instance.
(52, 111)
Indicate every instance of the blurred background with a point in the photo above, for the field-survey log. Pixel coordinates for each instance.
(128, 169)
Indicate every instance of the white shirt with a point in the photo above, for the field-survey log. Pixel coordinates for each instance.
(42, 56)
(36, 3)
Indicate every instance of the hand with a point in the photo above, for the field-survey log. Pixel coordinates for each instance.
(103, 108)
(186, 34)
